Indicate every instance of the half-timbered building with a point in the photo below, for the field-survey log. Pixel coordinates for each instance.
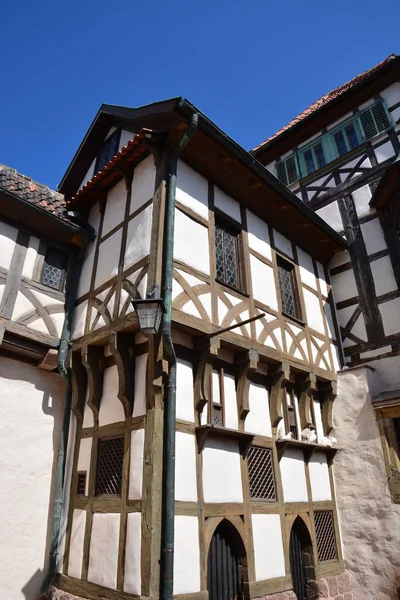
(339, 157)
(38, 241)
(241, 379)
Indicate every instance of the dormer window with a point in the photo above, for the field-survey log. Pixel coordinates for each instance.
(108, 150)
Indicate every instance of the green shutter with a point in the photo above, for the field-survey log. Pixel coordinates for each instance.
(374, 120)
(286, 170)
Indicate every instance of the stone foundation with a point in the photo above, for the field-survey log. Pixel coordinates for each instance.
(56, 594)
(334, 587)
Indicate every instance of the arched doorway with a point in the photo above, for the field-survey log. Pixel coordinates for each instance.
(227, 566)
(301, 559)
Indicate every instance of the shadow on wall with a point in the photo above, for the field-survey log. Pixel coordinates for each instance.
(32, 587)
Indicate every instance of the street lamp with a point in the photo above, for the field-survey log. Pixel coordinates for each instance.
(149, 312)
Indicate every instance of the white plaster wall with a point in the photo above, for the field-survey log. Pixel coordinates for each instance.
(139, 404)
(136, 465)
(187, 555)
(344, 285)
(390, 312)
(384, 152)
(89, 174)
(231, 408)
(226, 204)
(85, 451)
(373, 236)
(387, 374)
(313, 310)
(94, 217)
(293, 477)
(31, 256)
(66, 492)
(76, 543)
(31, 408)
(306, 268)
(132, 574)
(8, 236)
(391, 94)
(258, 419)
(383, 275)
(138, 237)
(263, 283)
(143, 184)
(111, 409)
(87, 269)
(192, 190)
(222, 480)
(283, 244)
(331, 215)
(88, 418)
(318, 420)
(268, 546)
(185, 471)
(369, 522)
(361, 198)
(103, 553)
(115, 207)
(319, 477)
(184, 391)
(191, 243)
(107, 263)
(258, 235)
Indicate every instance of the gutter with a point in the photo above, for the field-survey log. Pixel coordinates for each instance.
(168, 482)
(249, 161)
(89, 235)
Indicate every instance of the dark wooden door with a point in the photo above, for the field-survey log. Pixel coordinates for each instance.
(222, 571)
(297, 566)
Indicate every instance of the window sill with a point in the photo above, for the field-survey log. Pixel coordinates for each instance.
(307, 179)
(307, 447)
(294, 319)
(203, 432)
(232, 288)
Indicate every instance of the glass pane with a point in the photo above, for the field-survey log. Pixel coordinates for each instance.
(286, 289)
(309, 161)
(226, 254)
(351, 136)
(108, 151)
(230, 259)
(340, 143)
(53, 269)
(219, 248)
(319, 155)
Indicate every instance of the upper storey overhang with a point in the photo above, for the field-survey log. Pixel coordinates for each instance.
(213, 154)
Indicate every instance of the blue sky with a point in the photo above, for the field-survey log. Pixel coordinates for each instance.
(250, 66)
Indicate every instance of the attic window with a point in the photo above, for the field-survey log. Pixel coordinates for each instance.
(108, 150)
(54, 269)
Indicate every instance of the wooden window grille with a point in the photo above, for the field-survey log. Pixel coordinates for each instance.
(227, 253)
(81, 484)
(325, 534)
(109, 466)
(108, 150)
(288, 288)
(54, 269)
(290, 412)
(261, 474)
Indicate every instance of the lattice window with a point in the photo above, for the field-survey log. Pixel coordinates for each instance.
(109, 466)
(261, 474)
(81, 484)
(288, 288)
(227, 253)
(325, 532)
(54, 269)
(108, 151)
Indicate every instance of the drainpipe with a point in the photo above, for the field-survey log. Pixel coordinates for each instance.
(167, 524)
(89, 235)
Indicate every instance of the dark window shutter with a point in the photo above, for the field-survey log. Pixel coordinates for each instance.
(380, 116)
(286, 170)
(374, 120)
(281, 172)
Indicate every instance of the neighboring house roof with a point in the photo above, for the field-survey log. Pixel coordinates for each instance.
(327, 99)
(34, 193)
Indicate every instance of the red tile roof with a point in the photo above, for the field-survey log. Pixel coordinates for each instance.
(130, 152)
(35, 193)
(339, 91)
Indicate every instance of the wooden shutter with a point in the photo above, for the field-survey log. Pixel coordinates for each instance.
(374, 120)
(286, 170)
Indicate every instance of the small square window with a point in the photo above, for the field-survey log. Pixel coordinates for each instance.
(109, 467)
(227, 253)
(54, 269)
(288, 289)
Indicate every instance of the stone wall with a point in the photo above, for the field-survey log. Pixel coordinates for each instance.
(334, 587)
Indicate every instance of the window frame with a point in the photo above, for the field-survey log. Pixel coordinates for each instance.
(101, 440)
(114, 135)
(290, 390)
(298, 317)
(221, 220)
(65, 257)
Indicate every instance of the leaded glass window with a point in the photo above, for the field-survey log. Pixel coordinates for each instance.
(288, 288)
(108, 150)
(54, 269)
(227, 254)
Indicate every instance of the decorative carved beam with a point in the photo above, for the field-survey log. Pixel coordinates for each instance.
(79, 383)
(280, 377)
(330, 393)
(122, 349)
(308, 386)
(247, 363)
(208, 353)
(91, 357)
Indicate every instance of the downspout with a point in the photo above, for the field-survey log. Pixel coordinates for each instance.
(63, 350)
(167, 524)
